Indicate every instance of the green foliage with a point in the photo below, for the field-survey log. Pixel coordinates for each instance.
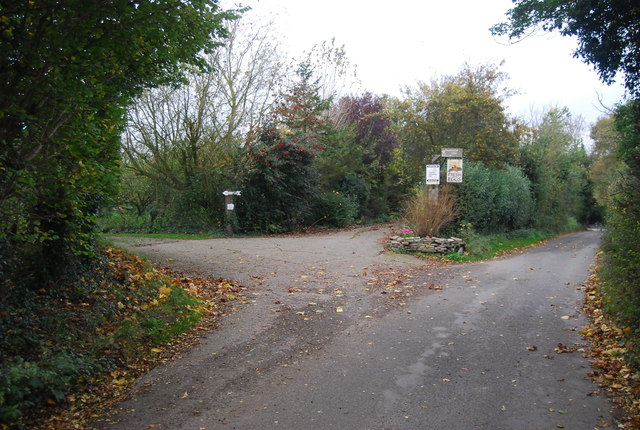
(28, 385)
(55, 338)
(333, 209)
(280, 182)
(620, 272)
(607, 32)
(278, 164)
(358, 154)
(461, 111)
(604, 166)
(555, 161)
(621, 262)
(481, 246)
(69, 69)
(495, 200)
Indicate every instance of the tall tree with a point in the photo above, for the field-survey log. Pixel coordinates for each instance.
(183, 138)
(604, 166)
(359, 152)
(465, 111)
(608, 32)
(280, 176)
(67, 70)
(554, 159)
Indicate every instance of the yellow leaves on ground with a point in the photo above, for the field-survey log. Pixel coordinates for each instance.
(164, 292)
(607, 357)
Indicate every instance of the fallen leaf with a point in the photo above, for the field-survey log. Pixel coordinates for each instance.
(532, 348)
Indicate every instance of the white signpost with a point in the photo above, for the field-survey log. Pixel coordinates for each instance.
(230, 205)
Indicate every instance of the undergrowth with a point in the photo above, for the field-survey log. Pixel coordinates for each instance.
(63, 339)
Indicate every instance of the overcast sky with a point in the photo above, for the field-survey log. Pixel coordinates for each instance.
(398, 43)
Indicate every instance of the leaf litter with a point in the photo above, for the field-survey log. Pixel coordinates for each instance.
(607, 356)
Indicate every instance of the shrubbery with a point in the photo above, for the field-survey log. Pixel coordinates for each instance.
(621, 261)
(333, 209)
(495, 200)
(54, 338)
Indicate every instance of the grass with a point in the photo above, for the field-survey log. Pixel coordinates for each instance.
(483, 247)
(189, 236)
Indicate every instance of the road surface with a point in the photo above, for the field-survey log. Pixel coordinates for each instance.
(341, 335)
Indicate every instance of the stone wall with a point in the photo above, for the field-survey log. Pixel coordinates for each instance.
(434, 245)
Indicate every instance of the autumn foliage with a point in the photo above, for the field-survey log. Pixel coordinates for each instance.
(66, 347)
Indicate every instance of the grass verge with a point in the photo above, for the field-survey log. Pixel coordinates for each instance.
(481, 247)
(610, 346)
(192, 236)
(65, 349)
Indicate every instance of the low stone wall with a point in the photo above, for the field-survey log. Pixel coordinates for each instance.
(434, 245)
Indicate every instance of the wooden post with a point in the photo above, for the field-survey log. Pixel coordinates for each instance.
(230, 207)
(434, 191)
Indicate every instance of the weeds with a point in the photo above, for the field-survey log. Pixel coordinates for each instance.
(428, 216)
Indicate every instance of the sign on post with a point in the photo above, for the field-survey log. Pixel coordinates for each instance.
(454, 169)
(451, 152)
(229, 213)
(433, 174)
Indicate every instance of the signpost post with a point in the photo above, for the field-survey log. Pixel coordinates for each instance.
(229, 215)
(454, 170)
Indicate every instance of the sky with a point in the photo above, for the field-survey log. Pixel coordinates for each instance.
(397, 43)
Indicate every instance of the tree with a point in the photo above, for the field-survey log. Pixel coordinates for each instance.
(621, 242)
(607, 31)
(604, 166)
(279, 174)
(185, 138)
(609, 39)
(464, 111)
(554, 159)
(358, 152)
(68, 68)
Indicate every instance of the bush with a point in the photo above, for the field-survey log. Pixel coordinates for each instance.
(621, 261)
(280, 182)
(25, 385)
(495, 200)
(428, 216)
(334, 210)
(620, 271)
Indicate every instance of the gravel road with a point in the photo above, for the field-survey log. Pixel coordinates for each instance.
(340, 334)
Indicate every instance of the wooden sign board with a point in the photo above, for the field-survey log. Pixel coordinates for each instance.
(451, 153)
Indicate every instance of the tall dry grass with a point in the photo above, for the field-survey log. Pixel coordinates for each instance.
(428, 217)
